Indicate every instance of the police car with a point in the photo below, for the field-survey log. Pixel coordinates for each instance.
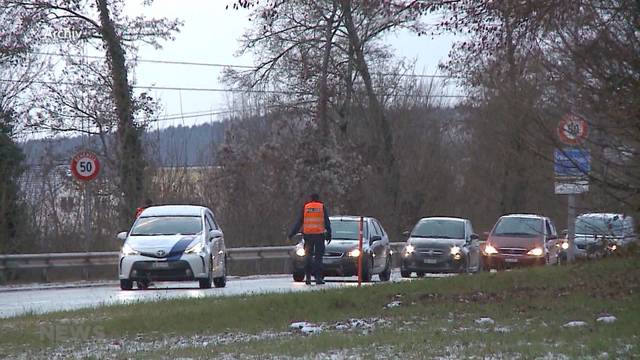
(173, 243)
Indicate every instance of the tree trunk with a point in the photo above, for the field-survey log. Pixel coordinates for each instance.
(384, 137)
(128, 135)
(323, 91)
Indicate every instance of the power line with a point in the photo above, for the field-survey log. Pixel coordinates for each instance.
(244, 91)
(249, 67)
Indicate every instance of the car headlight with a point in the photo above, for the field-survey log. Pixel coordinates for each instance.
(536, 251)
(409, 249)
(354, 253)
(128, 250)
(613, 247)
(489, 250)
(455, 250)
(300, 251)
(565, 245)
(194, 249)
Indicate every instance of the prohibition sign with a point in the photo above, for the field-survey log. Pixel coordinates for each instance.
(85, 166)
(573, 129)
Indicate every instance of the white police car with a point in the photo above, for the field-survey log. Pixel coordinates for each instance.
(173, 243)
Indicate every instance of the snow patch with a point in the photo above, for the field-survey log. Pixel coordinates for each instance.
(485, 321)
(607, 319)
(393, 304)
(574, 324)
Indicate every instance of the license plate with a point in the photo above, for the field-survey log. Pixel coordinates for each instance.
(160, 265)
(430, 261)
(511, 260)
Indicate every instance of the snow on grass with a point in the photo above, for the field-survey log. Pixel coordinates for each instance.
(572, 324)
(485, 321)
(607, 319)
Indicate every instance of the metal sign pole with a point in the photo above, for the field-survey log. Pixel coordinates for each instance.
(360, 255)
(86, 215)
(571, 225)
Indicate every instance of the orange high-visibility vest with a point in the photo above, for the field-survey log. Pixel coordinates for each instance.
(313, 218)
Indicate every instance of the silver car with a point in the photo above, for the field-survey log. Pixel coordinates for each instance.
(173, 243)
(600, 233)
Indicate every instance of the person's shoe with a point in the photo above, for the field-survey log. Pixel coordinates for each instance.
(307, 280)
(319, 282)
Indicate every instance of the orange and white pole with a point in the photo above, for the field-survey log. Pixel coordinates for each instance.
(360, 252)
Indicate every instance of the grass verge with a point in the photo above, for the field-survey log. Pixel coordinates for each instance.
(437, 318)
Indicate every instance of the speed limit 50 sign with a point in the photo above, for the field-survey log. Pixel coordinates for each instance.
(85, 166)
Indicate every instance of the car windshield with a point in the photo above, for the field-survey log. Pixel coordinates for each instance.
(592, 225)
(439, 228)
(344, 230)
(516, 226)
(167, 225)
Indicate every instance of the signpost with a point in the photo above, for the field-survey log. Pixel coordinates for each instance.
(85, 167)
(572, 165)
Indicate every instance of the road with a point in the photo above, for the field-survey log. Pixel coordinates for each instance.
(43, 300)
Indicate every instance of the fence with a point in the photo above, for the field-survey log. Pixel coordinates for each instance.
(43, 264)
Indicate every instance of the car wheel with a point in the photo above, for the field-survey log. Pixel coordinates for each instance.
(221, 281)
(206, 283)
(367, 270)
(298, 276)
(405, 274)
(126, 284)
(143, 284)
(385, 275)
(420, 274)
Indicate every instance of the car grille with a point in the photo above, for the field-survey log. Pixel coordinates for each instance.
(512, 251)
(332, 254)
(430, 252)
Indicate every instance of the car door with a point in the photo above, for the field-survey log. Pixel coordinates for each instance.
(384, 244)
(376, 247)
(216, 241)
(474, 246)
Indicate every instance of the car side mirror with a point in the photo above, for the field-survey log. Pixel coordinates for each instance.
(213, 234)
(474, 237)
(122, 235)
(375, 238)
(406, 233)
(564, 233)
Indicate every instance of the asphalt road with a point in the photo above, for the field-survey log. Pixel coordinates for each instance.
(15, 301)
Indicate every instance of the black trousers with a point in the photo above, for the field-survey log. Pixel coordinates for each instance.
(314, 250)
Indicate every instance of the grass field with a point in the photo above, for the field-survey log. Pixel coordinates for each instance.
(517, 314)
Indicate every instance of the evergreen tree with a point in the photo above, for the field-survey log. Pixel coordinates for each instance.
(11, 168)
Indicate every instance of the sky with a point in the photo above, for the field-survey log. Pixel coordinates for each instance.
(210, 35)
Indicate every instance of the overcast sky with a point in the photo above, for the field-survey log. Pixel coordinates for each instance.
(210, 35)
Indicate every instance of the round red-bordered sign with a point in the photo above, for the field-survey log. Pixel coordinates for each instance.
(573, 129)
(85, 166)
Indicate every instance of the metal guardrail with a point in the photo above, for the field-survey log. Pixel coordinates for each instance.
(87, 260)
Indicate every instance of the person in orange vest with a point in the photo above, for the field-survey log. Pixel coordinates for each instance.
(316, 228)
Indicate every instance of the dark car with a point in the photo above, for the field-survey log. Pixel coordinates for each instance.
(519, 239)
(341, 254)
(441, 244)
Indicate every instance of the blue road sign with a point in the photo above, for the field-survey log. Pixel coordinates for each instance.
(572, 162)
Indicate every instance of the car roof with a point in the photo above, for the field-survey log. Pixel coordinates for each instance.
(347, 218)
(525, 216)
(178, 210)
(602, 215)
(443, 218)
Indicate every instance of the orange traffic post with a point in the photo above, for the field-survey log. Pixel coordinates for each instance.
(360, 252)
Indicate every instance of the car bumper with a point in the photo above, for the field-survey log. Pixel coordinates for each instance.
(500, 260)
(332, 266)
(446, 263)
(139, 267)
